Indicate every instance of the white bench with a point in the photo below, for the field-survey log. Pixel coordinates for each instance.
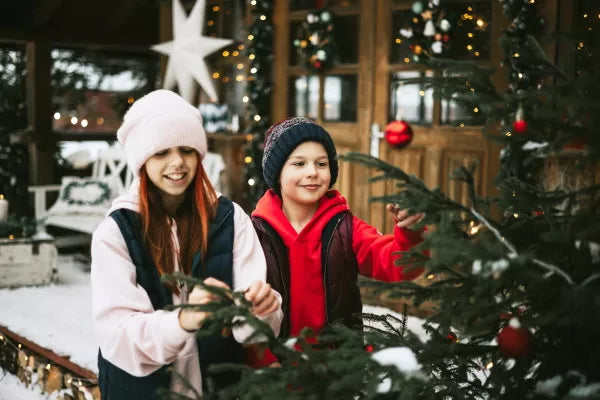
(111, 164)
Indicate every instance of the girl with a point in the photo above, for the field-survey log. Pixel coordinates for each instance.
(171, 220)
(314, 245)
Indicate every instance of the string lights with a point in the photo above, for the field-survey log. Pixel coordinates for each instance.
(475, 24)
(50, 376)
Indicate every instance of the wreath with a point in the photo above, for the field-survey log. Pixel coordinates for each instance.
(316, 47)
(104, 193)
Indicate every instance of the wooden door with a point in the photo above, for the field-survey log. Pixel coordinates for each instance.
(371, 61)
(441, 143)
(341, 99)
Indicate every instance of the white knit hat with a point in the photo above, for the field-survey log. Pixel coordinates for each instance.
(160, 120)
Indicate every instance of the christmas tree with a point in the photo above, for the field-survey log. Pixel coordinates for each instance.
(14, 159)
(515, 278)
(258, 97)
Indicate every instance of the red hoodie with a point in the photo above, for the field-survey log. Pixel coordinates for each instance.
(373, 252)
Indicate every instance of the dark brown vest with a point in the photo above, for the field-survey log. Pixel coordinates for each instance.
(339, 267)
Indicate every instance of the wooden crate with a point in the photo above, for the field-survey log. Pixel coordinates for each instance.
(27, 262)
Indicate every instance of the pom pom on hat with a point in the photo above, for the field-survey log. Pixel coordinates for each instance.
(158, 121)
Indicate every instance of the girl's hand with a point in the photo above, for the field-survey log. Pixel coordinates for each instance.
(190, 319)
(402, 218)
(263, 299)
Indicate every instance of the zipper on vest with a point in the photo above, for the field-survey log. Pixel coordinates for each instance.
(325, 267)
(183, 292)
(284, 295)
(279, 269)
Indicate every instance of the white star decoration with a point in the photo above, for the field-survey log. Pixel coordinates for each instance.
(187, 51)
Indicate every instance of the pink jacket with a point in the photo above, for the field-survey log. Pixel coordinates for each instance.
(135, 337)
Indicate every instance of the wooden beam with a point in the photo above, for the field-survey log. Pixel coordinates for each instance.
(281, 30)
(39, 112)
(49, 355)
(82, 38)
(123, 14)
(44, 12)
(165, 33)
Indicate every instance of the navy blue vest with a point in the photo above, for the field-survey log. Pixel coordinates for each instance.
(115, 383)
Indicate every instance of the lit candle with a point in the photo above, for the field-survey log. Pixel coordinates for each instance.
(3, 208)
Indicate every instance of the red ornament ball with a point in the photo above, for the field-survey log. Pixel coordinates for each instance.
(451, 337)
(318, 64)
(398, 134)
(520, 126)
(513, 340)
(369, 348)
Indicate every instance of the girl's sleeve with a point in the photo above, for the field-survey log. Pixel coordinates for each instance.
(374, 251)
(250, 265)
(132, 335)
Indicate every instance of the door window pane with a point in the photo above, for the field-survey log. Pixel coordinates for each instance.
(304, 100)
(345, 35)
(456, 112)
(340, 98)
(346, 38)
(471, 30)
(410, 102)
(469, 36)
(460, 109)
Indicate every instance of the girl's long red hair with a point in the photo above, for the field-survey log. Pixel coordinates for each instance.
(193, 218)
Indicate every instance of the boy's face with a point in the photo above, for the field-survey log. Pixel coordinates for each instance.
(305, 175)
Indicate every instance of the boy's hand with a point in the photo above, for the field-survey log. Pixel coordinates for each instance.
(263, 299)
(191, 319)
(401, 217)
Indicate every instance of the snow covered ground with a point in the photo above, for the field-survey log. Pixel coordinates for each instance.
(59, 317)
(12, 389)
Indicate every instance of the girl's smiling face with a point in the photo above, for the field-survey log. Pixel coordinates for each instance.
(305, 176)
(172, 170)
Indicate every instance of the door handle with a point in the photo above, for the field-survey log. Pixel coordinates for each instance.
(374, 138)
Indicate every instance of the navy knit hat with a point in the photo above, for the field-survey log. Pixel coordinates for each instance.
(281, 140)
